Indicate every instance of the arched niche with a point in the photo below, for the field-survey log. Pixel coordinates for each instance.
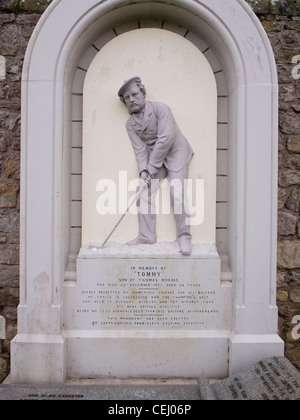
(65, 41)
(177, 73)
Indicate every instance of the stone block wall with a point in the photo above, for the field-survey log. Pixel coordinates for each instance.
(284, 34)
(15, 32)
(281, 20)
(276, 7)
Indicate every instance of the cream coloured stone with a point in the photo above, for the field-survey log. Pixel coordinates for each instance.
(158, 311)
(2, 328)
(2, 68)
(189, 89)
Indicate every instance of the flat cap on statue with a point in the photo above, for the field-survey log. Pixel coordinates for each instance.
(127, 83)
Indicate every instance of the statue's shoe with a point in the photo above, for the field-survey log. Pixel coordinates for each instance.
(140, 241)
(185, 246)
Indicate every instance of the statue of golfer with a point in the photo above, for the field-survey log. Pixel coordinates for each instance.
(161, 151)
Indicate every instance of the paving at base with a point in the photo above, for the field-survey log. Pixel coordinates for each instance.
(271, 379)
(100, 392)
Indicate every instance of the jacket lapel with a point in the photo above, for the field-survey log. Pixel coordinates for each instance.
(140, 126)
(147, 114)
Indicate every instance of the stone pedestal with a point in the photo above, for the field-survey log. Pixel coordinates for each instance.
(38, 359)
(147, 312)
(252, 347)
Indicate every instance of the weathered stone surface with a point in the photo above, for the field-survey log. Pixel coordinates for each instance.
(14, 35)
(9, 296)
(11, 332)
(9, 221)
(293, 144)
(9, 5)
(9, 254)
(294, 277)
(289, 254)
(289, 122)
(24, 5)
(287, 223)
(290, 339)
(290, 37)
(282, 195)
(34, 5)
(282, 7)
(284, 73)
(282, 296)
(10, 91)
(102, 392)
(287, 312)
(289, 178)
(3, 144)
(10, 313)
(9, 118)
(8, 194)
(279, 7)
(4, 367)
(7, 18)
(271, 379)
(10, 35)
(11, 166)
(9, 276)
(293, 162)
(286, 7)
(28, 22)
(2, 329)
(287, 93)
(288, 279)
(260, 6)
(293, 201)
(281, 278)
(295, 295)
(294, 355)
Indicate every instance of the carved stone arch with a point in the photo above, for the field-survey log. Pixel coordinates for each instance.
(60, 47)
(222, 146)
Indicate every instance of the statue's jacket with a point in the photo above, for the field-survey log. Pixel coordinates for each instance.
(157, 140)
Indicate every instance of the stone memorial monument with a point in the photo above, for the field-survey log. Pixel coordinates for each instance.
(161, 151)
(197, 295)
(156, 294)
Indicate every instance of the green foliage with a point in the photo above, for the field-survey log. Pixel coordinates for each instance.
(9, 5)
(276, 7)
(289, 7)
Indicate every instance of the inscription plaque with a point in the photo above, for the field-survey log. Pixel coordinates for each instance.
(133, 294)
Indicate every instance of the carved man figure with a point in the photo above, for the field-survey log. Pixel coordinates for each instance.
(161, 151)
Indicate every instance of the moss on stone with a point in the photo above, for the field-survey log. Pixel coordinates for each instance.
(276, 7)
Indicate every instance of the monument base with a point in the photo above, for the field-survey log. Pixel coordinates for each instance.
(38, 359)
(147, 354)
(147, 312)
(252, 348)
